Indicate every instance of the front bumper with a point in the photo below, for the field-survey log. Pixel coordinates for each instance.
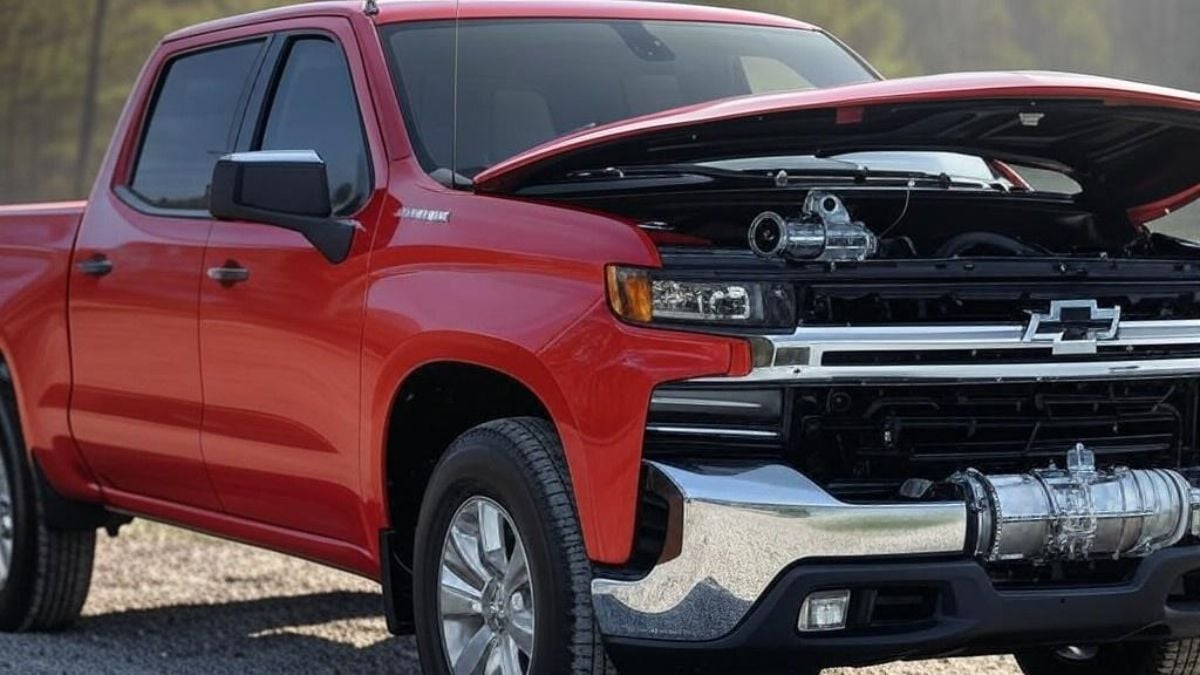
(746, 545)
(973, 617)
(738, 528)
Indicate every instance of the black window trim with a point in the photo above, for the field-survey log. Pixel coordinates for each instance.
(266, 85)
(124, 190)
(415, 141)
(251, 116)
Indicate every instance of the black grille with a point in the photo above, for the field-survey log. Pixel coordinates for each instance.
(924, 302)
(863, 441)
(1017, 575)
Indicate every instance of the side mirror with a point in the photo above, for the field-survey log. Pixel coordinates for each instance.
(284, 188)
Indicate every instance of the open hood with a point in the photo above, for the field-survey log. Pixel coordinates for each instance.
(1132, 147)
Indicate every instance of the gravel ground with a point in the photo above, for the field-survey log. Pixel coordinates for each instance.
(168, 601)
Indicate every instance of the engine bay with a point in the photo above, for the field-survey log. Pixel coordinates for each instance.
(860, 223)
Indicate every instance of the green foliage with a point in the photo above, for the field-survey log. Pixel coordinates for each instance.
(1139, 40)
(45, 52)
(879, 25)
(45, 58)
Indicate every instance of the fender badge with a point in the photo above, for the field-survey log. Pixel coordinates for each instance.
(425, 215)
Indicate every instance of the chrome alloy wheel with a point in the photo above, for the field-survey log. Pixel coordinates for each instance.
(6, 523)
(486, 595)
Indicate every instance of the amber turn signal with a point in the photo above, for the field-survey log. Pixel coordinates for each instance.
(630, 294)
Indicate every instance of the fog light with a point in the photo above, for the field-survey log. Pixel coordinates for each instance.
(824, 610)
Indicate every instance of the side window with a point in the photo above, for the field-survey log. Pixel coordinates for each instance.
(191, 124)
(314, 108)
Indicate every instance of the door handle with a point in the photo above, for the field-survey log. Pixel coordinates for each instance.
(229, 275)
(97, 266)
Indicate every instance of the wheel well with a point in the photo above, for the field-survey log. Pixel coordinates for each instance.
(435, 405)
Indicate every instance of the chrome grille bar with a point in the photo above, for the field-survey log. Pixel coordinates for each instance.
(800, 356)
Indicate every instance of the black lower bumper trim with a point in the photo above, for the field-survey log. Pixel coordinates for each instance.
(971, 616)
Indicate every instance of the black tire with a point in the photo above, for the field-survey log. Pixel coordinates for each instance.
(1181, 657)
(518, 464)
(51, 570)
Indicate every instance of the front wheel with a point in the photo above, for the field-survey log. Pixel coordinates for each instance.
(1180, 657)
(501, 577)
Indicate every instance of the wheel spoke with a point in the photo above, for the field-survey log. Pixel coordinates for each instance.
(6, 524)
(510, 660)
(475, 654)
(495, 658)
(516, 575)
(520, 627)
(491, 537)
(463, 557)
(485, 593)
(459, 597)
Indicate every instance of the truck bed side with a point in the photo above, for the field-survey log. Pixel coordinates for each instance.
(35, 257)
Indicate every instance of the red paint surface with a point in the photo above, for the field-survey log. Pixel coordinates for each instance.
(933, 88)
(281, 355)
(137, 399)
(260, 412)
(35, 251)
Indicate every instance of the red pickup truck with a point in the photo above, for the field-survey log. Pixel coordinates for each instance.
(623, 335)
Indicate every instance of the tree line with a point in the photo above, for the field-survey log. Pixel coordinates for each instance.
(66, 68)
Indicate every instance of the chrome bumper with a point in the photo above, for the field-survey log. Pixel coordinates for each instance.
(736, 528)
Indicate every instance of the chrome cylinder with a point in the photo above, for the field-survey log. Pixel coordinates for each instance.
(1077, 513)
(773, 236)
(825, 231)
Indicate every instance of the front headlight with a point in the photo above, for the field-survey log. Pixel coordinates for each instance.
(651, 296)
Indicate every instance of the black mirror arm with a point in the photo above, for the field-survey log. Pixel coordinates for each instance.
(331, 236)
(333, 239)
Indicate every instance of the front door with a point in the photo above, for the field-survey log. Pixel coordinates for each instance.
(135, 285)
(281, 327)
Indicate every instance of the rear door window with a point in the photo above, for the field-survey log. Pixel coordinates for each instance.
(191, 125)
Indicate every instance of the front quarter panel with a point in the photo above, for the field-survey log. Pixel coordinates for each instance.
(519, 287)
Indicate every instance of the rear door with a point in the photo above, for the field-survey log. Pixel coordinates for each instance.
(281, 348)
(135, 288)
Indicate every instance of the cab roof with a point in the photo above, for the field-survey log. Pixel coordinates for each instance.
(398, 11)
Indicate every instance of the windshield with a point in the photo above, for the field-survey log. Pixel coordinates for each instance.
(524, 82)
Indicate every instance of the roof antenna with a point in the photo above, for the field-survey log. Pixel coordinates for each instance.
(371, 7)
(454, 182)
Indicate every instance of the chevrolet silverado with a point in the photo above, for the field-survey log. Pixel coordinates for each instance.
(625, 336)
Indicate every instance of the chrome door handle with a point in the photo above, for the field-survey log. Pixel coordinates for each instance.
(230, 274)
(96, 266)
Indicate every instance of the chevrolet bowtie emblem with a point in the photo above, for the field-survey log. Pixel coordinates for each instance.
(1073, 326)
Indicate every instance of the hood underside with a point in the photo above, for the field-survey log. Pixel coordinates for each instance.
(1131, 147)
